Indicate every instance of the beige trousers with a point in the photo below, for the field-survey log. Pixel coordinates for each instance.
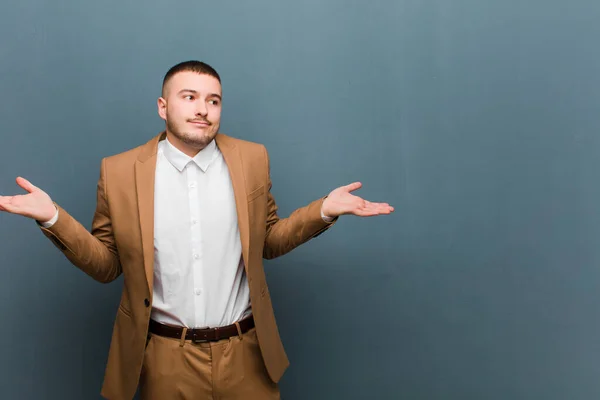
(229, 369)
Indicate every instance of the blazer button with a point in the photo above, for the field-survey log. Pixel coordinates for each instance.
(147, 302)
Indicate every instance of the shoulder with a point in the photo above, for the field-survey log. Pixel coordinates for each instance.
(123, 163)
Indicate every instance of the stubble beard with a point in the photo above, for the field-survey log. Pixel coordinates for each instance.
(197, 141)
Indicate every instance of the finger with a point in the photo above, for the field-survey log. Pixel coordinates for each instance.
(5, 199)
(7, 209)
(352, 187)
(370, 203)
(379, 206)
(5, 204)
(384, 209)
(365, 213)
(370, 213)
(25, 184)
(376, 209)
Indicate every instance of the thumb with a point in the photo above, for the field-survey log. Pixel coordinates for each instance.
(353, 186)
(25, 184)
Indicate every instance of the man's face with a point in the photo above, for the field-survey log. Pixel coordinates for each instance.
(191, 107)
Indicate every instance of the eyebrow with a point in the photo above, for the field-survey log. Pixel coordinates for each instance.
(196, 92)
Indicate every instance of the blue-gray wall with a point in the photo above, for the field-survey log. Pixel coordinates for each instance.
(477, 119)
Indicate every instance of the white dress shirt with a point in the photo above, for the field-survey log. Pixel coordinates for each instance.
(199, 277)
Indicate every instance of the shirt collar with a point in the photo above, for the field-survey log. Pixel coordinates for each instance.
(180, 160)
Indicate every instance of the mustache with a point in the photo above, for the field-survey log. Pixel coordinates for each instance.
(200, 120)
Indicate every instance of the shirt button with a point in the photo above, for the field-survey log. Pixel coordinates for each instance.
(194, 221)
(192, 185)
(196, 256)
(198, 291)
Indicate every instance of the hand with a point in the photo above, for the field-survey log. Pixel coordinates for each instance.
(340, 201)
(35, 204)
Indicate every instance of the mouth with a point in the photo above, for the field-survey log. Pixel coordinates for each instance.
(201, 123)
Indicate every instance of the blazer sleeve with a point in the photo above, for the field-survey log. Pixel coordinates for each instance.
(93, 252)
(285, 234)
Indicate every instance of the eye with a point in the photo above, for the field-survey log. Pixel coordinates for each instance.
(188, 97)
(213, 102)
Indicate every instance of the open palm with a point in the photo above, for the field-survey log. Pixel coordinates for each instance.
(340, 201)
(35, 204)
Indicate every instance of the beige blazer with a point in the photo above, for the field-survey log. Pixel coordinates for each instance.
(122, 242)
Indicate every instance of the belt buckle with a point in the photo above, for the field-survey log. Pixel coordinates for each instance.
(196, 339)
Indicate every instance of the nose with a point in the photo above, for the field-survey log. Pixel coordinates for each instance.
(201, 109)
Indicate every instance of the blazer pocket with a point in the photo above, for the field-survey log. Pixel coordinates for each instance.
(256, 193)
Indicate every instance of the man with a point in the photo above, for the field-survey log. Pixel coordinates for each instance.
(187, 219)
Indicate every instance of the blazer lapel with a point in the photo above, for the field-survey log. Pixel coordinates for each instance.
(145, 169)
(233, 159)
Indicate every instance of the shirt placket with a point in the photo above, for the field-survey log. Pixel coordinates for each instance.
(196, 241)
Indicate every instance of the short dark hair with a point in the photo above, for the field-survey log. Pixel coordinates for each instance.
(198, 67)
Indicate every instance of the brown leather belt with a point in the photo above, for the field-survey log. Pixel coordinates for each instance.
(202, 334)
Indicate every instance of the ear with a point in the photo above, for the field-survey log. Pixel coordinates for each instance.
(162, 108)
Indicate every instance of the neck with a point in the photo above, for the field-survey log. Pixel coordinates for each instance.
(186, 148)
